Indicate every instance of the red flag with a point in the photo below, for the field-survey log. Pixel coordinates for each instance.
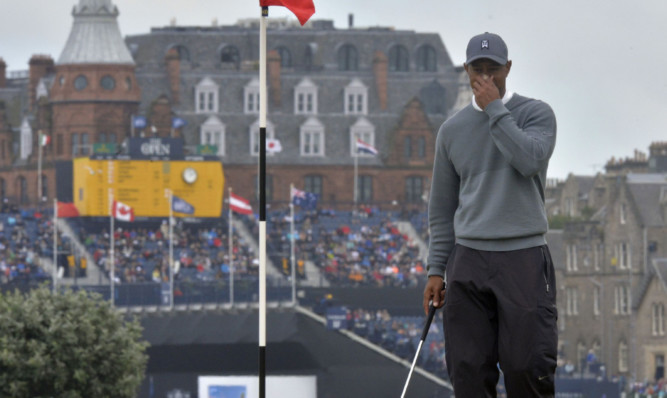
(67, 209)
(303, 9)
(239, 204)
(122, 212)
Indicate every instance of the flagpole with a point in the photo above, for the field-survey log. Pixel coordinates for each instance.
(55, 243)
(292, 256)
(262, 202)
(231, 252)
(112, 257)
(356, 172)
(39, 169)
(171, 251)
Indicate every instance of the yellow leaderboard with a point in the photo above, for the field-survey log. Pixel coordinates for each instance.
(143, 185)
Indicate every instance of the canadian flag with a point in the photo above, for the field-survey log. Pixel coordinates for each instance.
(122, 212)
(239, 204)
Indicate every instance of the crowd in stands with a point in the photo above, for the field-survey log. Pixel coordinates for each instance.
(142, 254)
(25, 237)
(363, 248)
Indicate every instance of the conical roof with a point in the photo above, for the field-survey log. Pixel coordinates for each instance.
(95, 37)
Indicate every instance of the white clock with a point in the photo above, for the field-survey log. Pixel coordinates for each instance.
(189, 175)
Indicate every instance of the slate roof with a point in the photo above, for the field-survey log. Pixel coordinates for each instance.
(203, 46)
(95, 37)
(646, 190)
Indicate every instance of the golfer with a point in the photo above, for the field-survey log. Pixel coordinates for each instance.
(488, 226)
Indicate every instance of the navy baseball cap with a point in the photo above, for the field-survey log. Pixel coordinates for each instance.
(487, 45)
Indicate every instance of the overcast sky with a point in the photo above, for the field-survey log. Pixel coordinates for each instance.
(601, 65)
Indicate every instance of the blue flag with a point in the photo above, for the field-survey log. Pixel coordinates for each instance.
(139, 122)
(307, 200)
(181, 206)
(177, 122)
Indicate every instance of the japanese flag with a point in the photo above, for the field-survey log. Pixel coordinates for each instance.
(122, 212)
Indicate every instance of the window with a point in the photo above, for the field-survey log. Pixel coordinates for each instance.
(23, 190)
(571, 301)
(45, 187)
(364, 131)
(622, 300)
(108, 82)
(75, 144)
(312, 138)
(285, 57)
(305, 98)
(407, 147)
(313, 183)
(414, 189)
(268, 187)
(597, 295)
(426, 59)
(229, 57)
(658, 319)
(85, 145)
(623, 255)
(251, 97)
(308, 55)
(254, 137)
(421, 147)
(622, 217)
(348, 58)
(80, 82)
(581, 353)
(597, 256)
(206, 96)
(623, 356)
(212, 132)
(398, 59)
(356, 98)
(112, 138)
(102, 138)
(365, 188)
(571, 258)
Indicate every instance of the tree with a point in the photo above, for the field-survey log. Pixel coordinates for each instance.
(69, 345)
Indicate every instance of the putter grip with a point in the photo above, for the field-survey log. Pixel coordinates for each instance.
(431, 313)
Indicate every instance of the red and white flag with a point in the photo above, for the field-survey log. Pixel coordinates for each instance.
(239, 204)
(122, 212)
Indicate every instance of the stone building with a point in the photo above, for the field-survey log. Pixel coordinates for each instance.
(610, 260)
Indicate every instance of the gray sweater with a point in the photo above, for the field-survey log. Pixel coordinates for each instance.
(489, 174)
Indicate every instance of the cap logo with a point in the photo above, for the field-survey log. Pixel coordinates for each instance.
(485, 43)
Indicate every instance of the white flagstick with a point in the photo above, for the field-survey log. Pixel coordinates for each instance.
(112, 258)
(262, 202)
(292, 256)
(356, 167)
(55, 243)
(171, 251)
(231, 252)
(39, 167)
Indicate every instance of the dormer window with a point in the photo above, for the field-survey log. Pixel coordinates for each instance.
(305, 98)
(206, 96)
(212, 132)
(356, 98)
(365, 131)
(312, 138)
(254, 137)
(251, 97)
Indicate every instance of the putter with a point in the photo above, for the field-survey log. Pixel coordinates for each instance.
(431, 313)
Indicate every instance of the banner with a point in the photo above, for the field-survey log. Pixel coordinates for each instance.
(179, 205)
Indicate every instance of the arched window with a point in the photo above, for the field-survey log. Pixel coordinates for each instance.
(23, 190)
(399, 60)
(348, 58)
(183, 53)
(426, 59)
(229, 56)
(285, 57)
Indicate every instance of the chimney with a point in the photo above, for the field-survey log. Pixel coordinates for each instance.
(380, 70)
(350, 21)
(173, 61)
(40, 66)
(3, 72)
(274, 69)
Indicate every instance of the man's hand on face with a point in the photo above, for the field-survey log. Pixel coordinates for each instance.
(485, 90)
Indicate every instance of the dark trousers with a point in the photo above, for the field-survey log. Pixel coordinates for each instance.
(500, 308)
